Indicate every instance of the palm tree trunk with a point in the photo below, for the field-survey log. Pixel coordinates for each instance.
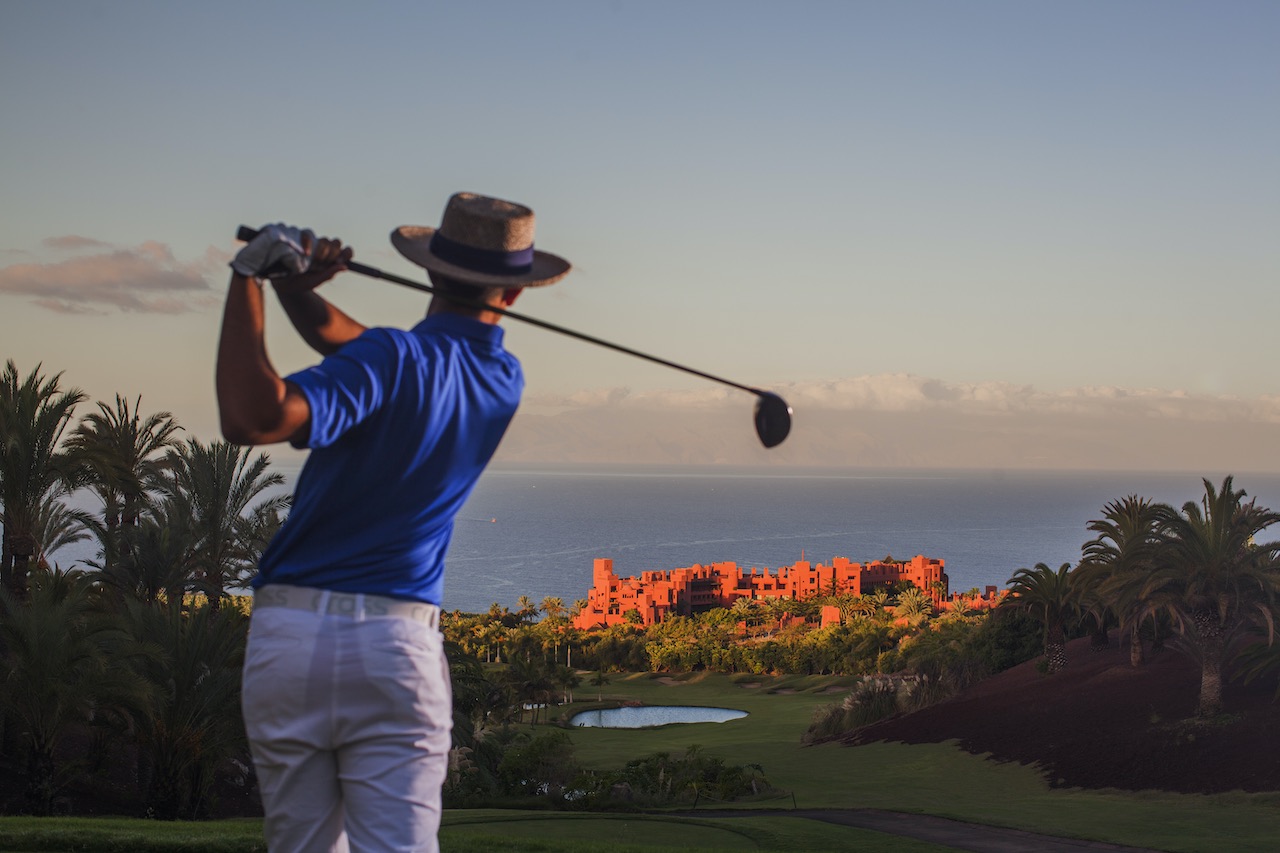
(1210, 675)
(1136, 657)
(6, 562)
(21, 548)
(1055, 649)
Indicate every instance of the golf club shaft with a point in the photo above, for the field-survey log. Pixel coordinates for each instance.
(246, 234)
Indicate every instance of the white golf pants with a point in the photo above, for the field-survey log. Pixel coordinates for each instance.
(348, 714)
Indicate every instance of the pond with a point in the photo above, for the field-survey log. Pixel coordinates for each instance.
(654, 715)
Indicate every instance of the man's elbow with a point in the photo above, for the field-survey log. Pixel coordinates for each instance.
(267, 425)
(238, 432)
(249, 427)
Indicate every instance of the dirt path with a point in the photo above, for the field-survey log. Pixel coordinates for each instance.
(955, 834)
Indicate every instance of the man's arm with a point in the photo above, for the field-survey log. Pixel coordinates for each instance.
(323, 326)
(255, 405)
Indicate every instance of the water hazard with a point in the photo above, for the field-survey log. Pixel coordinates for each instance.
(654, 715)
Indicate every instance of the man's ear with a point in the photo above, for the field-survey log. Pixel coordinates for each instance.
(510, 295)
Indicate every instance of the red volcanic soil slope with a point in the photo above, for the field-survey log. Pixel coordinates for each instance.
(1103, 724)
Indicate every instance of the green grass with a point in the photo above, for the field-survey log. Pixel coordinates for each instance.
(474, 831)
(127, 835)
(937, 779)
(484, 830)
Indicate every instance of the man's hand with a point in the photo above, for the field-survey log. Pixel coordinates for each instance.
(278, 250)
(327, 259)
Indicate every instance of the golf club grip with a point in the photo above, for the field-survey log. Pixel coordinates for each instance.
(244, 234)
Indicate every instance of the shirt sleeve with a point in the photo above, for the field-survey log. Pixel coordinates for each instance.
(349, 386)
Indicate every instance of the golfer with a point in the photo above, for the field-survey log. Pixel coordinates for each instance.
(346, 699)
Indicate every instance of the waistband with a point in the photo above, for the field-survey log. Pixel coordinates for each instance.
(357, 605)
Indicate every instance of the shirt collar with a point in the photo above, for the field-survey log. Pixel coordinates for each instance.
(467, 327)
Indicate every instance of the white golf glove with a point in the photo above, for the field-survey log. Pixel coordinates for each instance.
(276, 251)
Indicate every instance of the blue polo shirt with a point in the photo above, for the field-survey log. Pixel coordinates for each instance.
(402, 425)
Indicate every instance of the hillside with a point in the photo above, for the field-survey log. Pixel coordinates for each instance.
(1104, 724)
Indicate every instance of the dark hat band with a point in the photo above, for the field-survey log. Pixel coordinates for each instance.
(481, 260)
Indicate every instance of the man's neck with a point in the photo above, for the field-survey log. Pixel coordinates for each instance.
(447, 305)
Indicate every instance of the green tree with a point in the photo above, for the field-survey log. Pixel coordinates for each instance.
(553, 607)
(878, 599)
(155, 563)
(34, 413)
(57, 662)
(221, 488)
(544, 765)
(914, 605)
(532, 685)
(1047, 596)
(1116, 564)
(57, 525)
(470, 691)
(528, 610)
(124, 455)
(1214, 581)
(194, 663)
(598, 680)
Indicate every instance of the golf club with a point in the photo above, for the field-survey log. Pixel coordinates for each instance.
(772, 414)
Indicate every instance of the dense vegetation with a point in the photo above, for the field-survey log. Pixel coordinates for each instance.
(130, 665)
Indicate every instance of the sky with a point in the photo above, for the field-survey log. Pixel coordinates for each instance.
(980, 234)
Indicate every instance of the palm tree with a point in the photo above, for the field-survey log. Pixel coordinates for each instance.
(865, 607)
(221, 488)
(879, 600)
(470, 690)
(553, 607)
(124, 455)
(851, 607)
(532, 684)
(34, 413)
(1213, 581)
(914, 605)
(57, 525)
(744, 610)
(196, 725)
(565, 679)
(156, 560)
(1047, 596)
(527, 608)
(598, 681)
(1116, 564)
(56, 661)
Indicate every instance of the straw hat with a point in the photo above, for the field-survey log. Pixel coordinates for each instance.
(483, 241)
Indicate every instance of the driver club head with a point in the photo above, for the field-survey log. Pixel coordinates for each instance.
(773, 419)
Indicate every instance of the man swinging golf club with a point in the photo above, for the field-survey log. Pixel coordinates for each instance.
(346, 695)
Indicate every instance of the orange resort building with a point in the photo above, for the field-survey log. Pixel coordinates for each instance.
(695, 589)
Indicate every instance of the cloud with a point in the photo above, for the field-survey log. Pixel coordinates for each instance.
(907, 393)
(902, 420)
(74, 242)
(145, 278)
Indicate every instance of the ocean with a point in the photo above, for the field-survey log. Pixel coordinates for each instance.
(537, 531)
